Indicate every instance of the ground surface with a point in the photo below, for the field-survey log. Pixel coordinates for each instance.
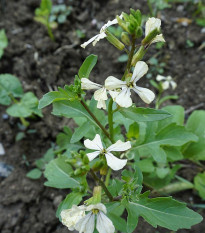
(26, 205)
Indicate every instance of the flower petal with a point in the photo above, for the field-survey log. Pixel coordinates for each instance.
(165, 85)
(95, 144)
(114, 94)
(89, 41)
(93, 155)
(145, 94)
(123, 99)
(86, 84)
(71, 216)
(86, 224)
(115, 163)
(119, 146)
(160, 78)
(112, 83)
(140, 70)
(100, 94)
(101, 104)
(173, 84)
(104, 224)
(158, 38)
(151, 24)
(100, 36)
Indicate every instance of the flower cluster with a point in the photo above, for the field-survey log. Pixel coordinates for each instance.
(77, 219)
(119, 90)
(166, 82)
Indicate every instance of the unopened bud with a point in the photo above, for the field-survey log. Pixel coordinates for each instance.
(138, 32)
(85, 159)
(114, 41)
(98, 165)
(122, 24)
(125, 38)
(103, 170)
(139, 55)
(148, 39)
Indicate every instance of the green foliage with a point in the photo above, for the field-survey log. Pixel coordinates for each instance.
(3, 42)
(156, 68)
(27, 106)
(10, 87)
(58, 173)
(87, 66)
(163, 211)
(59, 13)
(156, 6)
(199, 184)
(34, 174)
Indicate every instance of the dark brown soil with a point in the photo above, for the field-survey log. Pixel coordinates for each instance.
(26, 205)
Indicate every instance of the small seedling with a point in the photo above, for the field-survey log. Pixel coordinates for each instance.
(3, 42)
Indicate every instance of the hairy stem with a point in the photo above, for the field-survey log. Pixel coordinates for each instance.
(101, 183)
(96, 120)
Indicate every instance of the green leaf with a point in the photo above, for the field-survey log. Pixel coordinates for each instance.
(34, 174)
(57, 173)
(71, 110)
(80, 132)
(3, 42)
(26, 107)
(199, 184)
(146, 165)
(172, 135)
(70, 200)
(52, 96)
(168, 97)
(132, 218)
(119, 223)
(165, 212)
(87, 66)
(9, 85)
(196, 125)
(144, 114)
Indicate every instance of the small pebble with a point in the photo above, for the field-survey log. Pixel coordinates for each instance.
(5, 169)
(2, 151)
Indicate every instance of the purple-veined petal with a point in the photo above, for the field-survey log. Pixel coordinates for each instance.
(104, 224)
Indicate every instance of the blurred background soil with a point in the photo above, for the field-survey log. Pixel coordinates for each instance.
(42, 65)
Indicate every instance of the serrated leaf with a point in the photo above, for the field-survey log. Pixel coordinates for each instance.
(132, 218)
(57, 173)
(87, 66)
(70, 200)
(144, 114)
(9, 84)
(165, 212)
(34, 174)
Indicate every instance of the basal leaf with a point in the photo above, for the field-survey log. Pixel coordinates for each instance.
(199, 184)
(87, 66)
(34, 174)
(144, 114)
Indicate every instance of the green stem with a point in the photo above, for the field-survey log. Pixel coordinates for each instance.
(107, 179)
(96, 120)
(158, 99)
(110, 118)
(129, 62)
(50, 33)
(150, 7)
(101, 183)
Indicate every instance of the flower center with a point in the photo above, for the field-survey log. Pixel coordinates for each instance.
(103, 152)
(95, 211)
(130, 85)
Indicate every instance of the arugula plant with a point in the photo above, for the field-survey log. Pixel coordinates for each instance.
(3, 42)
(20, 104)
(113, 134)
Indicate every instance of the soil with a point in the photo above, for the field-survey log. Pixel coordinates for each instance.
(27, 205)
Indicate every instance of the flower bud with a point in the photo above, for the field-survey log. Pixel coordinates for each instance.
(103, 170)
(125, 38)
(114, 41)
(139, 55)
(122, 24)
(97, 166)
(85, 159)
(148, 39)
(138, 32)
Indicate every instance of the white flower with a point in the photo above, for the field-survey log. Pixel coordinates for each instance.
(71, 216)
(152, 24)
(75, 219)
(102, 33)
(166, 82)
(123, 98)
(87, 223)
(100, 95)
(112, 161)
